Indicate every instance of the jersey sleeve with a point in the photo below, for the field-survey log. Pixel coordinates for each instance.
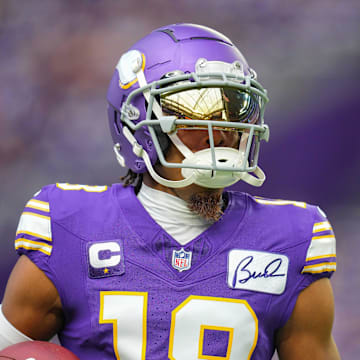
(39, 222)
(33, 234)
(321, 253)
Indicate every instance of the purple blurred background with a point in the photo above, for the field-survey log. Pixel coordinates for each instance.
(57, 57)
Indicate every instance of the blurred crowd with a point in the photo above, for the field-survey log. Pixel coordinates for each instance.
(57, 57)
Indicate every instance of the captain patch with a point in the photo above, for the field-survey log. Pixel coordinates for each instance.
(105, 259)
(257, 271)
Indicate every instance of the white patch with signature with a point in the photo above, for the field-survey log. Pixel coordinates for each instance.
(257, 271)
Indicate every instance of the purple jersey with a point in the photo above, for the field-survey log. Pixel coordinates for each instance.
(129, 291)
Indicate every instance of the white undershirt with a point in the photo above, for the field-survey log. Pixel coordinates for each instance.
(9, 335)
(172, 214)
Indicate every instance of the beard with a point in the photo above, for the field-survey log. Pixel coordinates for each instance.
(207, 204)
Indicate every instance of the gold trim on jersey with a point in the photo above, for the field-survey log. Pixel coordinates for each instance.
(229, 330)
(321, 226)
(321, 257)
(34, 234)
(280, 202)
(114, 320)
(319, 268)
(38, 205)
(87, 188)
(33, 245)
(323, 237)
(203, 300)
(37, 215)
(321, 247)
(35, 225)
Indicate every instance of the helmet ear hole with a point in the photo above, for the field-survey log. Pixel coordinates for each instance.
(163, 139)
(117, 122)
(114, 125)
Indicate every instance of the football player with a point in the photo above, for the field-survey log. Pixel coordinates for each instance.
(175, 266)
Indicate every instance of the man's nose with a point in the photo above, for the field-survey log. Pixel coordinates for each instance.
(218, 136)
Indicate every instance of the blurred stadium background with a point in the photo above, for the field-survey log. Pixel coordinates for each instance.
(57, 57)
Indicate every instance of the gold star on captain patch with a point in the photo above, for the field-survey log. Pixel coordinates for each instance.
(106, 270)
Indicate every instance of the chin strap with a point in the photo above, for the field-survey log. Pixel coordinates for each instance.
(257, 180)
(250, 179)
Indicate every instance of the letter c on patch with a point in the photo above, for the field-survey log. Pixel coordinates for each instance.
(96, 249)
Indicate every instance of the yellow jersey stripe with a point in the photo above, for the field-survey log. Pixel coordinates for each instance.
(34, 234)
(321, 223)
(321, 264)
(38, 215)
(38, 205)
(321, 226)
(281, 202)
(33, 245)
(39, 202)
(319, 268)
(323, 237)
(320, 257)
(319, 271)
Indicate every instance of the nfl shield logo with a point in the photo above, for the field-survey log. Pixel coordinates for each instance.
(181, 259)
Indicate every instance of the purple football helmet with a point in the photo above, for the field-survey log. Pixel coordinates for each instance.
(187, 76)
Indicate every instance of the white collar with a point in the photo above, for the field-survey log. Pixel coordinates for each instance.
(172, 214)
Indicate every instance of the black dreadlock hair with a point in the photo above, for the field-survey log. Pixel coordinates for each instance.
(132, 179)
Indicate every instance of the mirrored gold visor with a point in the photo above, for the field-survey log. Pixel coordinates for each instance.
(213, 103)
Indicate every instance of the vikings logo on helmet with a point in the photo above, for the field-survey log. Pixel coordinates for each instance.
(187, 76)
